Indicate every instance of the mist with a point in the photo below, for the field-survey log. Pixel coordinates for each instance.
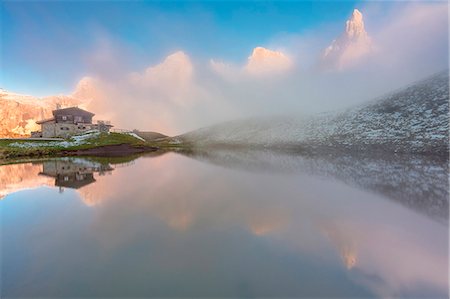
(184, 92)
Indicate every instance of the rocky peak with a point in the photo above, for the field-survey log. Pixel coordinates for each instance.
(354, 27)
(350, 47)
(19, 113)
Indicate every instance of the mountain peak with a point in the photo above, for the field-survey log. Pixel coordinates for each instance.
(350, 47)
(356, 14)
(354, 27)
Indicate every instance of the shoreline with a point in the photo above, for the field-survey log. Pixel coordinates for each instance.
(105, 145)
(115, 150)
(121, 145)
(129, 149)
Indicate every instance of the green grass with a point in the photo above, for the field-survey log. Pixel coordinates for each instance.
(109, 139)
(7, 151)
(52, 148)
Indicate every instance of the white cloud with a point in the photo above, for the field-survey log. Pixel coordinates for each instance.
(264, 61)
(170, 80)
(166, 97)
(414, 38)
(178, 95)
(225, 70)
(261, 63)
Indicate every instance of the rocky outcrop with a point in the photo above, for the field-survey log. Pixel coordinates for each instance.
(19, 113)
(350, 47)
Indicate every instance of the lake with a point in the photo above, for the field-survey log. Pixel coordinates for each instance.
(226, 223)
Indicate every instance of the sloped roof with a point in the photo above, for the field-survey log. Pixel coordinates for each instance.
(72, 111)
(74, 184)
(40, 122)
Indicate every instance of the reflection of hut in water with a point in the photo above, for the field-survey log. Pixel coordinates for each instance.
(74, 180)
(73, 173)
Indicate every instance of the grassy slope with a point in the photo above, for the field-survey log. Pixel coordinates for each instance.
(150, 136)
(52, 148)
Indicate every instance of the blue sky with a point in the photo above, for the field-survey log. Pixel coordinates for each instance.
(46, 45)
(190, 64)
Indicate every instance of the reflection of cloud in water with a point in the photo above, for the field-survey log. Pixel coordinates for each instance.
(267, 220)
(397, 254)
(417, 181)
(393, 261)
(171, 201)
(72, 173)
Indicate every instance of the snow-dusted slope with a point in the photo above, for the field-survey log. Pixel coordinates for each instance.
(414, 119)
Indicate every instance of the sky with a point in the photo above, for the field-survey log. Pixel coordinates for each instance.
(193, 63)
(48, 44)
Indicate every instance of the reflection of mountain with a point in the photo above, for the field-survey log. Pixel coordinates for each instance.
(174, 219)
(388, 255)
(343, 240)
(417, 181)
(74, 173)
(14, 177)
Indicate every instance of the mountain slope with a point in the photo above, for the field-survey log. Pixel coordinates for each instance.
(414, 119)
(419, 182)
(19, 113)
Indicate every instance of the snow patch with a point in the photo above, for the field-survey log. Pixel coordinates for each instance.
(74, 141)
(135, 136)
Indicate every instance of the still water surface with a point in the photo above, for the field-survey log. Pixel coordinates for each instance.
(225, 224)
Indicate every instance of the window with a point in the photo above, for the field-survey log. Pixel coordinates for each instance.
(64, 117)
